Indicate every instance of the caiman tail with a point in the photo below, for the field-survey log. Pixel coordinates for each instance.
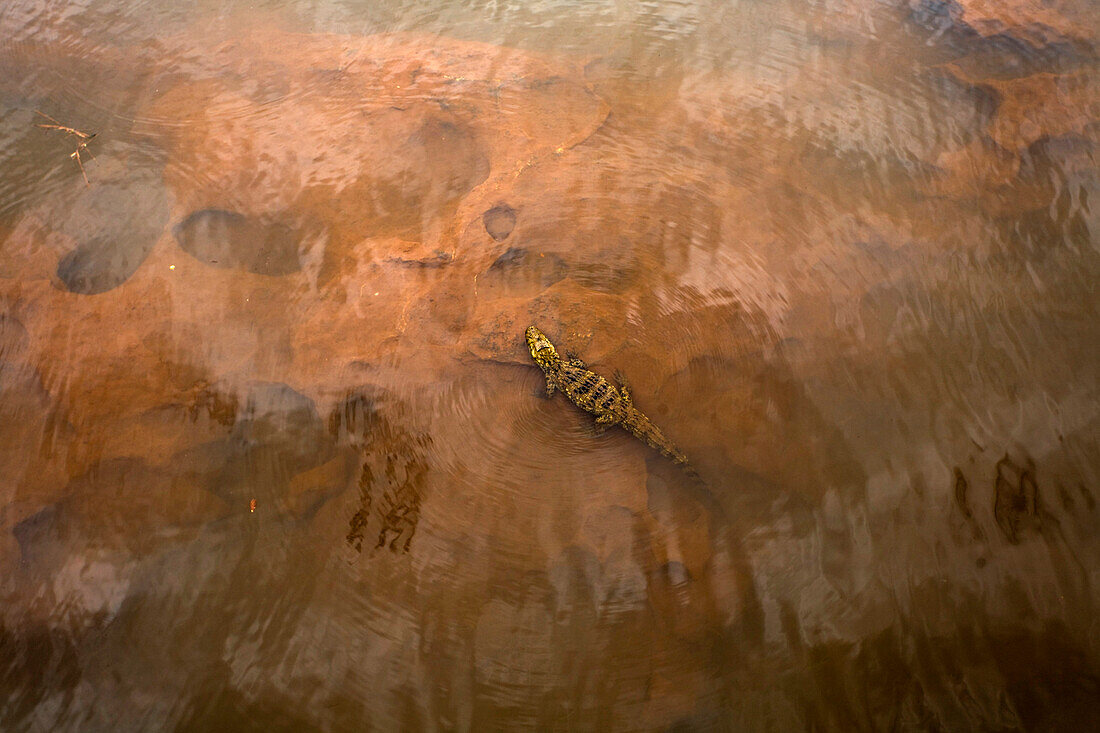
(642, 428)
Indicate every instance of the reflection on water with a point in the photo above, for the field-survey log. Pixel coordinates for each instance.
(844, 253)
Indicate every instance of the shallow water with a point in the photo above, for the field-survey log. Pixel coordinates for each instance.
(274, 456)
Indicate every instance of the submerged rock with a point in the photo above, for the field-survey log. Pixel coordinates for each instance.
(499, 221)
(519, 271)
(115, 226)
(229, 239)
(97, 266)
(416, 254)
(285, 421)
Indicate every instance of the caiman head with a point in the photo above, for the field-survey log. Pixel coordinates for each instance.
(542, 351)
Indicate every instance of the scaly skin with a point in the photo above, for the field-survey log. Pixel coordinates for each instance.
(592, 393)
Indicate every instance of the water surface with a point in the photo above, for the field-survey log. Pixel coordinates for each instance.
(273, 455)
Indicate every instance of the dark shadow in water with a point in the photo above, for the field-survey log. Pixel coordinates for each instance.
(962, 501)
(394, 468)
(1016, 496)
(35, 664)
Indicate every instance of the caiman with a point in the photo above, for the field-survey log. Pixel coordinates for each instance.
(592, 393)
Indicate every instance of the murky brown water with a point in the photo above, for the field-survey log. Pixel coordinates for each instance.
(845, 252)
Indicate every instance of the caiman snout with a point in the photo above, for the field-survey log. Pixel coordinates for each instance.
(537, 342)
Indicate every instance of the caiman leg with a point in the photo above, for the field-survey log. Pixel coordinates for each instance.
(604, 420)
(624, 390)
(549, 386)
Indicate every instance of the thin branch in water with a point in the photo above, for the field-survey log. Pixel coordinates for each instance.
(76, 156)
(82, 146)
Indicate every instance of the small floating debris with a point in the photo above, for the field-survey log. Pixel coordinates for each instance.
(252, 506)
(82, 146)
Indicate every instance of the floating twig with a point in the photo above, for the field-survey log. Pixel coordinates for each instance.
(82, 146)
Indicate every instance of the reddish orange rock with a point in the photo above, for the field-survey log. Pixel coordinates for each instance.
(1031, 20)
(1039, 105)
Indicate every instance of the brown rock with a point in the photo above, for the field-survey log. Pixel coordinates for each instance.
(499, 221)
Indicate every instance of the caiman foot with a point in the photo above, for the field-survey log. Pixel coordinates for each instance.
(603, 422)
(624, 390)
